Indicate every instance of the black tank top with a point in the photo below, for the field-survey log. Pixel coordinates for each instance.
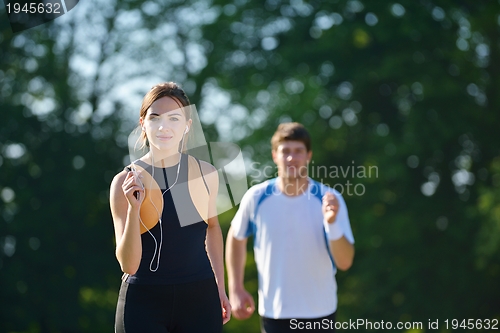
(183, 257)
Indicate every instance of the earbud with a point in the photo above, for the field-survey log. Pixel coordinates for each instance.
(187, 129)
(143, 129)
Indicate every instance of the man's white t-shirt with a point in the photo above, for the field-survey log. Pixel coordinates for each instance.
(295, 271)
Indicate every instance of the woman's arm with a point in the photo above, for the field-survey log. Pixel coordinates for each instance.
(214, 241)
(125, 211)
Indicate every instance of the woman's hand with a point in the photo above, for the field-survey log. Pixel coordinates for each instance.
(225, 305)
(133, 189)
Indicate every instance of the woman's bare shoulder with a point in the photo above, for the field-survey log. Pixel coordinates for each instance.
(118, 179)
(207, 168)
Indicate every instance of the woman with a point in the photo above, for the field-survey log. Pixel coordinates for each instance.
(168, 239)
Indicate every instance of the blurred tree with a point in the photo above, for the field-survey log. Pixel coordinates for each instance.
(69, 91)
(55, 232)
(408, 88)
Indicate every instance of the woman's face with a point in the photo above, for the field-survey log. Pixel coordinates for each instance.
(165, 124)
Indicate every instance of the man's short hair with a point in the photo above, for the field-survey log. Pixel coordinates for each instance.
(291, 132)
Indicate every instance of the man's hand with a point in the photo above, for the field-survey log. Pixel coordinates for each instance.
(330, 207)
(242, 303)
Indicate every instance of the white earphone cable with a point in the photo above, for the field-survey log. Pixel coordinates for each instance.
(158, 248)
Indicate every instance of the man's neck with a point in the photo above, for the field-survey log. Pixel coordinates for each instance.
(293, 186)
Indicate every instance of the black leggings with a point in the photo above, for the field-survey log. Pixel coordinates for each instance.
(181, 308)
(320, 325)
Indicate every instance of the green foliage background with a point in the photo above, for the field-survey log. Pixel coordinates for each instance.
(410, 88)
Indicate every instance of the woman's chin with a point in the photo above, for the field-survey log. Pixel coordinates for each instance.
(165, 145)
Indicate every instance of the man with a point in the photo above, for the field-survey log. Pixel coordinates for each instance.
(302, 235)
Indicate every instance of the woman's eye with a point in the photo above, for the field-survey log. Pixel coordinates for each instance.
(174, 118)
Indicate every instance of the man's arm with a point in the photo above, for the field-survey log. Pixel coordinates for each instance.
(342, 252)
(242, 302)
(341, 249)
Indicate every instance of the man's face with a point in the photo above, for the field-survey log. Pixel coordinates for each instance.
(291, 158)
